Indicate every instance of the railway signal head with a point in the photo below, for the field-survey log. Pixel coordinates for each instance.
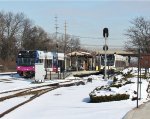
(105, 32)
(105, 47)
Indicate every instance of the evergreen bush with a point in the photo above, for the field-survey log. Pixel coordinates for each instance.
(108, 98)
(116, 85)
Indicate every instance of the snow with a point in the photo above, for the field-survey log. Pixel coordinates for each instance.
(12, 102)
(73, 102)
(9, 83)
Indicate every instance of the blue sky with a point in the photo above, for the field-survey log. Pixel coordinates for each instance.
(84, 18)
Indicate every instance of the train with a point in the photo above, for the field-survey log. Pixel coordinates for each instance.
(114, 62)
(26, 59)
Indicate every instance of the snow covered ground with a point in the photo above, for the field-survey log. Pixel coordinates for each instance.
(70, 102)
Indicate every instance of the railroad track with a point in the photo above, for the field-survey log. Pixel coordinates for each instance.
(31, 93)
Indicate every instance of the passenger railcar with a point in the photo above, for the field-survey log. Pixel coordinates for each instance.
(26, 61)
(114, 62)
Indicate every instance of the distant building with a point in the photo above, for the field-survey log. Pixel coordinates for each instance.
(145, 61)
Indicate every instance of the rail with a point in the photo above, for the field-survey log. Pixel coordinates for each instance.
(33, 91)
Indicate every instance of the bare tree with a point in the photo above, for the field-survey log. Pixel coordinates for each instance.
(74, 44)
(19, 33)
(26, 33)
(139, 35)
(2, 29)
(10, 31)
(35, 38)
(68, 43)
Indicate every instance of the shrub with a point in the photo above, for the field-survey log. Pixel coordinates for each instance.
(134, 98)
(144, 77)
(106, 87)
(80, 83)
(117, 97)
(119, 73)
(115, 79)
(128, 82)
(99, 88)
(116, 85)
(128, 75)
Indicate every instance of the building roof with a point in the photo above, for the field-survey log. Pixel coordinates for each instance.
(79, 53)
(115, 51)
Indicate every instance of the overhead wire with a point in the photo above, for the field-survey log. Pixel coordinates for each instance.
(87, 37)
(93, 45)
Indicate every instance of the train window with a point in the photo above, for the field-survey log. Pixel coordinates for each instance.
(40, 60)
(49, 63)
(26, 61)
(27, 54)
(110, 60)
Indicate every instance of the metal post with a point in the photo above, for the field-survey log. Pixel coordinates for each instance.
(105, 48)
(45, 64)
(140, 71)
(105, 58)
(65, 45)
(50, 75)
(71, 58)
(76, 60)
(98, 61)
(140, 82)
(92, 63)
(57, 60)
(138, 77)
(64, 65)
(58, 74)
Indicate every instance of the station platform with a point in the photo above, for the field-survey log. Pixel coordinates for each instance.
(143, 112)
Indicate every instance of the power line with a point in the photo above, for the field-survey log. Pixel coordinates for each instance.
(88, 37)
(81, 36)
(101, 45)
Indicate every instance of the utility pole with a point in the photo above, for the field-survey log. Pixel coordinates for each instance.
(65, 49)
(65, 34)
(56, 26)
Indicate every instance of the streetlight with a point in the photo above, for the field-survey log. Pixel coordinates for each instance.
(105, 47)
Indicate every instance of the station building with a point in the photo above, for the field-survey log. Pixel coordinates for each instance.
(79, 60)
